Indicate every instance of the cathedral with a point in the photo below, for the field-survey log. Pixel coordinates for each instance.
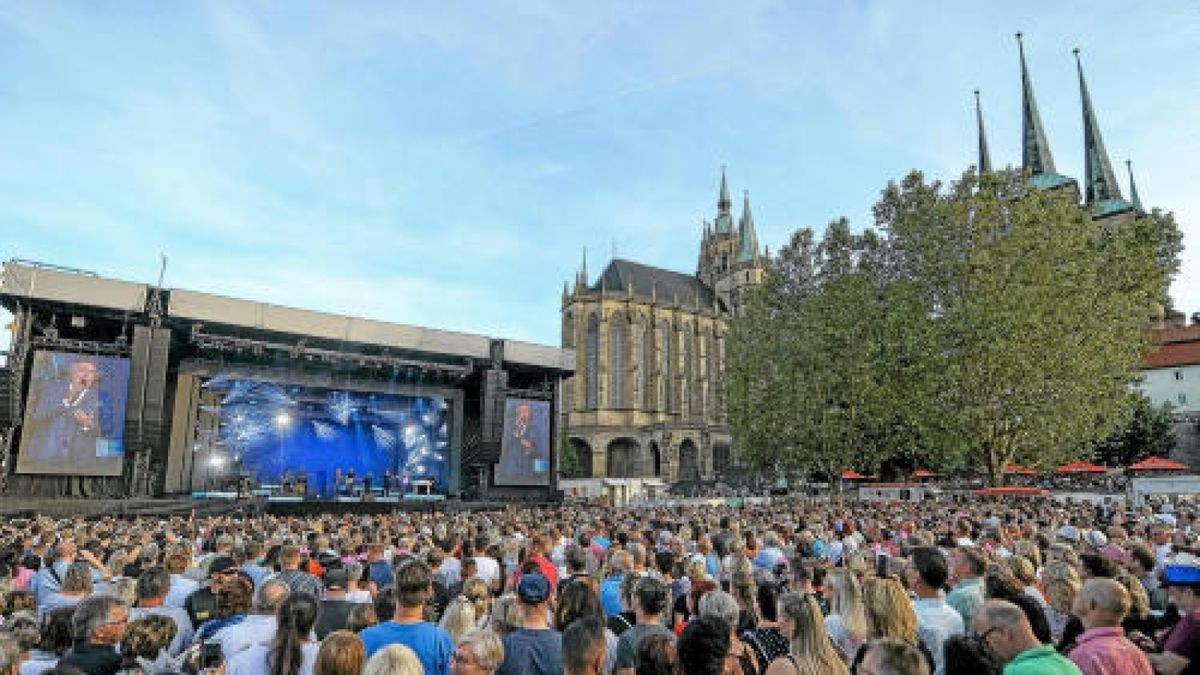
(647, 399)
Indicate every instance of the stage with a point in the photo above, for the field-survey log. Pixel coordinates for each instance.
(247, 506)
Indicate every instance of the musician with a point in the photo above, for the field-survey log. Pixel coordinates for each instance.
(302, 483)
(288, 481)
(367, 480)
(387, 482)
(337, 480)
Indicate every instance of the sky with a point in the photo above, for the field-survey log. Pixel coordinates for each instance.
(446, 164)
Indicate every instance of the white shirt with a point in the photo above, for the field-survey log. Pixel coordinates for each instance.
(183, 624)
(487, 569)
(181, 588)
(254, 631)
(936, 623)
(451, 570)
(253, 661)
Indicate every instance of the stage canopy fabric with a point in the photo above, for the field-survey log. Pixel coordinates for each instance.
(1081, 467)
(923, 473)
(1018, 470)
(1158, 464)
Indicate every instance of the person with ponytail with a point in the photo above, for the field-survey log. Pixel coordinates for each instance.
(812, 651)
(293, 651)
(459, 617)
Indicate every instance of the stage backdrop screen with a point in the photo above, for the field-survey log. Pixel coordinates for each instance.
(75, 415)
(525, 447)
(269, 429)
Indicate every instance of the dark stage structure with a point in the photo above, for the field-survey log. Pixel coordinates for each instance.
(118, 390)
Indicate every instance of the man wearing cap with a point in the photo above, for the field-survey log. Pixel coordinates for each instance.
(201, 605)
(335, 609)
(1102, 648)
(535, 648)
(412, 588)
(1179, 647)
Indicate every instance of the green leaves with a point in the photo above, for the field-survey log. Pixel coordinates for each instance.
(987, 323)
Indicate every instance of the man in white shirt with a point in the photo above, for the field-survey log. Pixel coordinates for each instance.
(181, 586)
(152, 587)
(937, 621)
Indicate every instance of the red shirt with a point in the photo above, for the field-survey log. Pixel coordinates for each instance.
(548, 570)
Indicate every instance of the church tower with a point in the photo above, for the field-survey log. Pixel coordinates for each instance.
(730, 261)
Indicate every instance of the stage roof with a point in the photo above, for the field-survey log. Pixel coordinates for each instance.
(35, 282)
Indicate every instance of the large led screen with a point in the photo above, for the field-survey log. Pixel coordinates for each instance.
(271, 431)
(525, 448)
(75, 415)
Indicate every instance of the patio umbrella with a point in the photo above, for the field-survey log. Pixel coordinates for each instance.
(1158, 464)
(923, 473)
(1018, 470)
(1081, 467)
(851, 474)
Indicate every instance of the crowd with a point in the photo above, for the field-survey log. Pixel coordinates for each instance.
(790, 587)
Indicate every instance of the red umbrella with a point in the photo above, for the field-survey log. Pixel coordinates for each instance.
(1158, 464)
(851, 474)
(1081, 467)
(1011, 492)
(1018, 470)
(923, 473)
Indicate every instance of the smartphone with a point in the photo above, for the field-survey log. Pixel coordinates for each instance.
(882, 561)
(210, 654)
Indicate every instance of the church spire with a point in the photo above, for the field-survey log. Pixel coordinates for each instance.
(1099, 180)
(1035, 151)
(583, 275)
(748, 238)
(724, 224)
(1133, 193)
(985, 156)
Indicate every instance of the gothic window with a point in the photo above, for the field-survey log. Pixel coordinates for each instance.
(616, 361)
(568, 331)
(689, 350)
(664, 367)
(641, 365)
(591, 375)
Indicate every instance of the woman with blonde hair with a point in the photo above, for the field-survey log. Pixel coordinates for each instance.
(847, 620)
(811, 651)
(477, 592)
(342, 653)
(1139, 618)
(459, 617)
(1061, 582)
(479, 651)
(890, 616)
(1025, 572)
(394, 660)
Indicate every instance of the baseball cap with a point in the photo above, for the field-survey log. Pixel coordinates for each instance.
(1181, 570)
(221, 563)
(1096, 539)
(533, 589)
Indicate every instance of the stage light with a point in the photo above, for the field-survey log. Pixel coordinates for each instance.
(216, 461)
(283, 419)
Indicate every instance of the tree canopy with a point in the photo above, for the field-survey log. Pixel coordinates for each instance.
(983, 323)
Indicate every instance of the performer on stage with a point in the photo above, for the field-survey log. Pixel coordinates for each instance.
(367, 480)
(69, 417)
(287, 482)
(387, 482)
(350, 482)
(337, 481)
(302, 483)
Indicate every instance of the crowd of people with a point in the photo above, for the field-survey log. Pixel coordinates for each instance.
(790, 587)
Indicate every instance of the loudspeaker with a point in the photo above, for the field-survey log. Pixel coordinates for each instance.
(6, 397)
(495, 387)
(144, 408)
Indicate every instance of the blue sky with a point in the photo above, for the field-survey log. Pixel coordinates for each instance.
(444, 164)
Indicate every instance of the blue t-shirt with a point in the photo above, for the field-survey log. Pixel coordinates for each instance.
(610, 595)
(532, 652)
(432, 645)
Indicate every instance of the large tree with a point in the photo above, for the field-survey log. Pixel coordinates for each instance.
(1149, 431)
(989, 323)
(821, 362)
(1038, 313)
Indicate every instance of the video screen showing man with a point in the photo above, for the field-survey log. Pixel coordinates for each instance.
(525, 448)
(75, 415)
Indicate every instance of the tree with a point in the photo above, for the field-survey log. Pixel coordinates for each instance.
(1148, 432)
(822, 365)
(569, 465)
(1036, 314)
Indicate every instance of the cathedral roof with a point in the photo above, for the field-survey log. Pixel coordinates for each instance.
(650, 282)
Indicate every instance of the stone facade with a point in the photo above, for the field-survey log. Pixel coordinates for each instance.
(647, 398)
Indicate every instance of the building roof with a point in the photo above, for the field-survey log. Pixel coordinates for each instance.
(650, 282)
(1174, 347)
